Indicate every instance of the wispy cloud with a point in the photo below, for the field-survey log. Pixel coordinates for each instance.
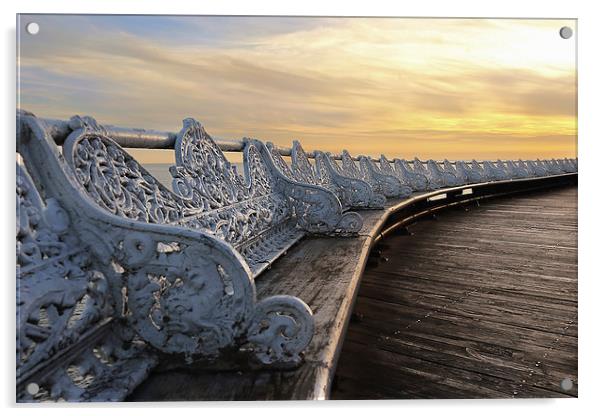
(431, 87)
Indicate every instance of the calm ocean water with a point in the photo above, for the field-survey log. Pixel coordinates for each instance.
(161, 171)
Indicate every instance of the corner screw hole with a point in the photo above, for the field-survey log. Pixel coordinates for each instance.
(566, 384)
(566, 32)
(32, 28)
(32, 388)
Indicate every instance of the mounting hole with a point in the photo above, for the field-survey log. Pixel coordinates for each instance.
(32, 388)
(566, 32)
(566, 384)
(32, 28)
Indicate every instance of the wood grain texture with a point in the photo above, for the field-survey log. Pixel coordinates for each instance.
(477, 304)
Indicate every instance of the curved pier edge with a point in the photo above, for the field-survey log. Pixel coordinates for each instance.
(465, 303)
(405, 212)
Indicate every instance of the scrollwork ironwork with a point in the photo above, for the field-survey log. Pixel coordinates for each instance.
(470, 175)
(317, 210)
(418, 167)
(351, 192)
(209, 194)
(63, 298)
(116, 181)
(281, 327)
(514, 171)
(280, 163)
(301, 166)
(417, 181)
(383, 184)
(493, 172)
(455, 176)
(59, 293)
(439, 177)
(387, 184)
(354, 193)
(185, 291)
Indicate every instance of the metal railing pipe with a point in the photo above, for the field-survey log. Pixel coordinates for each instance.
(155, 139)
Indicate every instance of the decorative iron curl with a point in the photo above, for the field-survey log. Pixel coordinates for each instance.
(281, 328)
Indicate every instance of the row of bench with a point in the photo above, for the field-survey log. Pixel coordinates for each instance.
(116, 273)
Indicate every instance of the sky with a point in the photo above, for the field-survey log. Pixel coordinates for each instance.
(432, 88)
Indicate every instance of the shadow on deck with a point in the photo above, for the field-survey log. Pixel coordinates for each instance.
(473, 305)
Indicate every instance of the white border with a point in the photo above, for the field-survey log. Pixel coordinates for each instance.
(590, 71)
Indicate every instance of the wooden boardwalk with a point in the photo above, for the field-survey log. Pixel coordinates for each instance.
(479, 304)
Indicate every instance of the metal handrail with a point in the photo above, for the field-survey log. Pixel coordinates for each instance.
(156, 139)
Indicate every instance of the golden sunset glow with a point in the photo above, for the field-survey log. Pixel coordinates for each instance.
(432, 88)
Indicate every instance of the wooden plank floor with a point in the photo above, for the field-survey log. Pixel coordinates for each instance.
(478, 304)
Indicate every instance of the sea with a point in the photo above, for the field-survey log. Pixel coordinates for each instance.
(161, 171)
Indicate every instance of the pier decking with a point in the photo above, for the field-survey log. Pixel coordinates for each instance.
(479, 304)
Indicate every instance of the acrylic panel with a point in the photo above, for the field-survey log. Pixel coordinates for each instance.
(295, 208)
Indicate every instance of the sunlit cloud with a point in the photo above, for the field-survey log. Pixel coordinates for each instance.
(429, 87)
